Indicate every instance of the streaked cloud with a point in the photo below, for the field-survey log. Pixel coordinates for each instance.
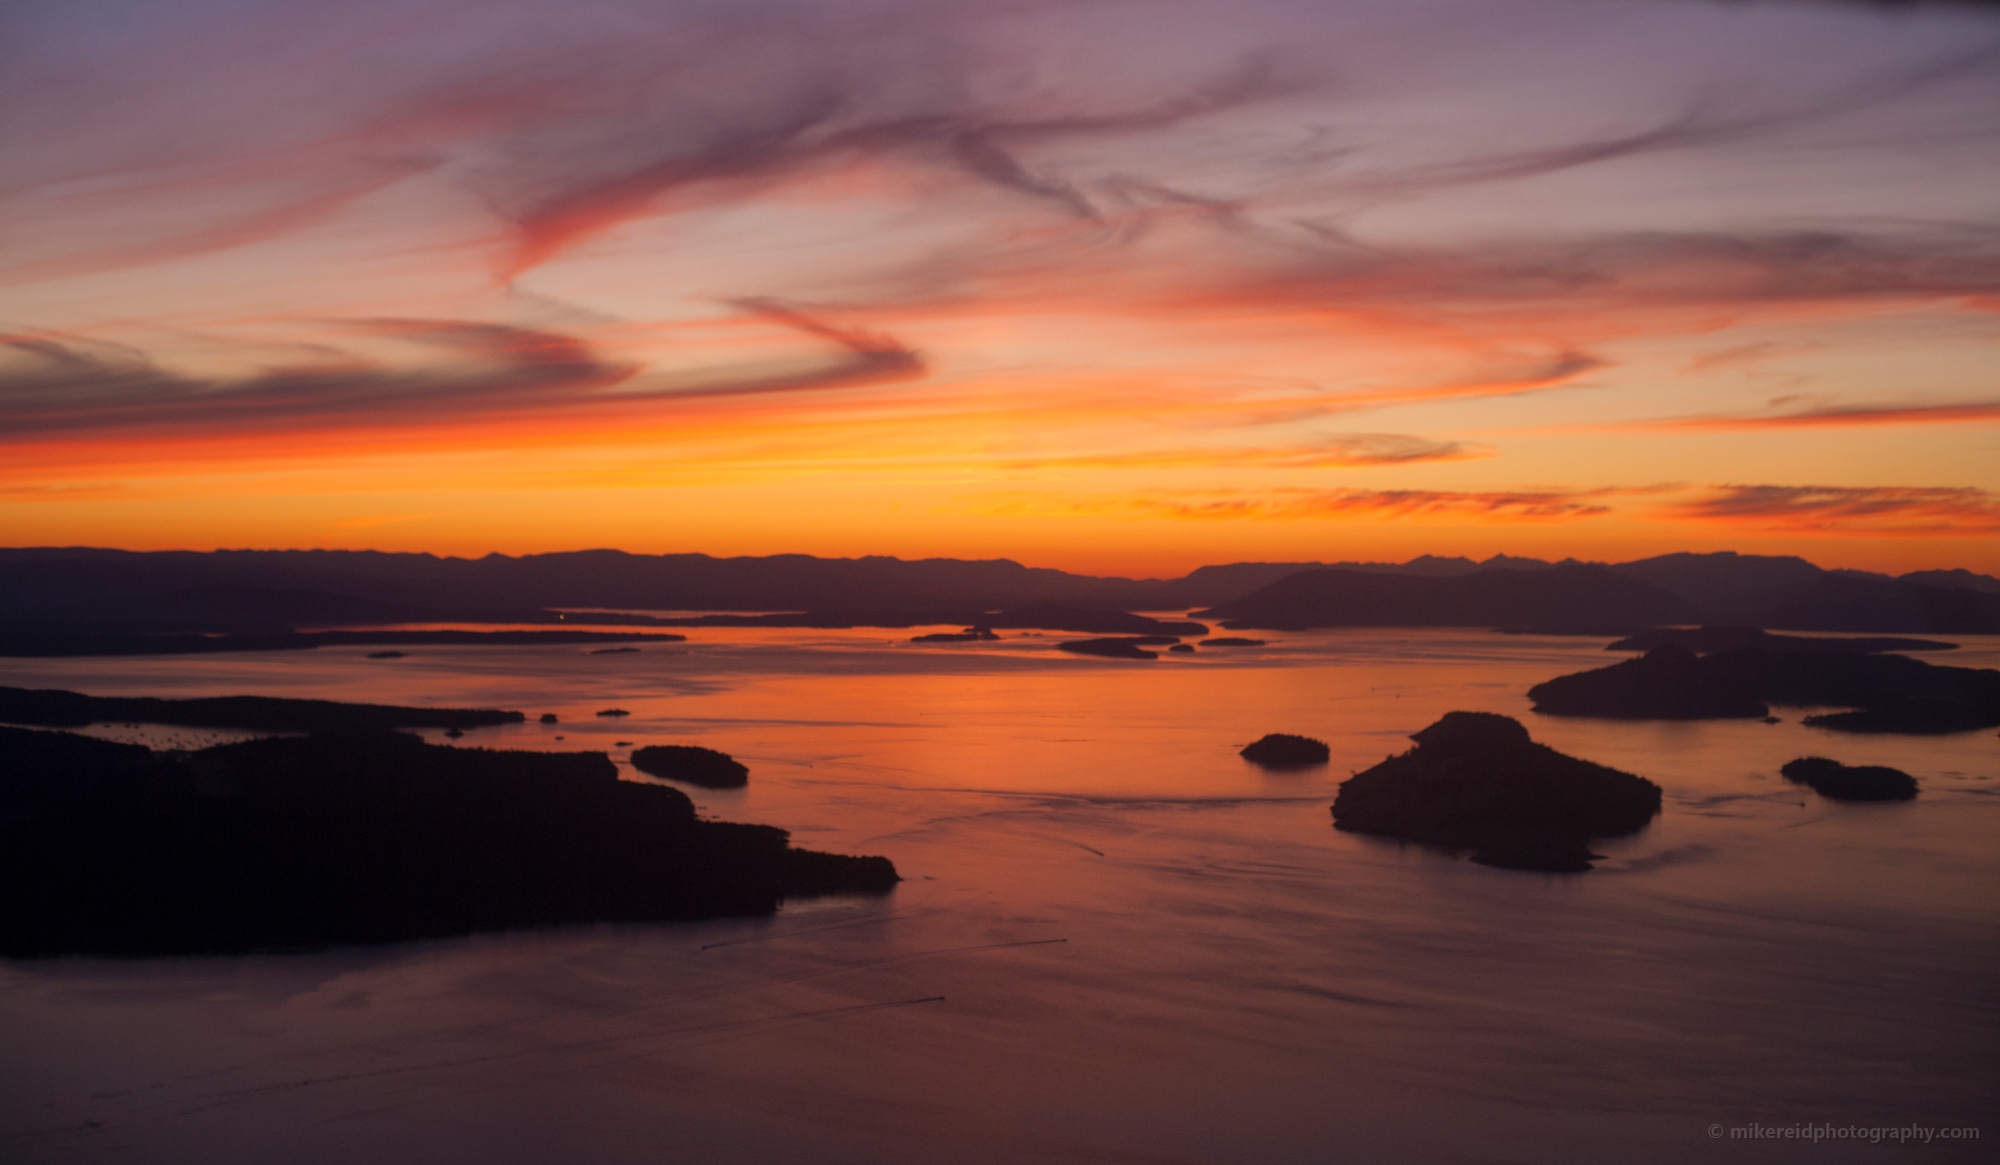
(1474, 506)
(454, 371)
(1912, 511)
(1892, 511)
(56, 386)
(1839, 415)
(1348, 450)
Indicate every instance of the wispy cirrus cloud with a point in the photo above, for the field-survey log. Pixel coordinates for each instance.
(457, 371)
(1837, 416)
(1342, 451)
(55, 386)
(1875, 511)
(825, 116)
(1474, 506)
(1907, 511)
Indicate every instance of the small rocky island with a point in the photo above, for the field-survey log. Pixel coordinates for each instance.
(1281, 750)
(1839, 782)
(1477, 782)
(693, 764)
(369, 836)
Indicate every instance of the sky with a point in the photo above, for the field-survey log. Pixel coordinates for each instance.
(1118, 287)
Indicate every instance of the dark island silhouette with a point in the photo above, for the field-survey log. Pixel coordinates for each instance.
(1667, 683)
(52, 644)
(969, 635)
(1281, 750)
(1710, 639)
(1477, 782)
(1232, 641)
(548, 718)
(361, 837)
(1581, 597)
(1839, 782)
(614, 651)
(1887, 693)
(1914, 716)
(386, 655)
(613, 713)
(1132, 647)
(693, 764)
(1092, 622)
(54, 708)
(1182, 649)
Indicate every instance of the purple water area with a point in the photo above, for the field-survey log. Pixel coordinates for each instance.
(1118, 940)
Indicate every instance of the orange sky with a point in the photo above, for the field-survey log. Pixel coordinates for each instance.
(1117, 288)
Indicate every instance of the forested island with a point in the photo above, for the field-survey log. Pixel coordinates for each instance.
(1126, 647)
(1842, 782)
(693, 764)
(1476, 781)
(1885, 693)
(360, 836)
(1712, 638)
(53, 644)
(56, 708)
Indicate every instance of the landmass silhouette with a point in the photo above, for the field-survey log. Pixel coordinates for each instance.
(82, 601)
(1476, 781)
(1131, 647)
(55, 708)
(1709, 639)
(691, 763)
(1887, 693)
(969, 635)
(1281, 750)
(1568, 597)
(361, 837)
(1832, 779)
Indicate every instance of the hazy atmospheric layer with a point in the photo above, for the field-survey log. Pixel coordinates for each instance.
(1114, 286)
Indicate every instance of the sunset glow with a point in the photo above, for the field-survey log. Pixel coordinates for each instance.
(1120, 288)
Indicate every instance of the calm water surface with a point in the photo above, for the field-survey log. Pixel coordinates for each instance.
(1118, 942)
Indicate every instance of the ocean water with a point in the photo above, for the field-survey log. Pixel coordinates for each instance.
(1117, 941)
